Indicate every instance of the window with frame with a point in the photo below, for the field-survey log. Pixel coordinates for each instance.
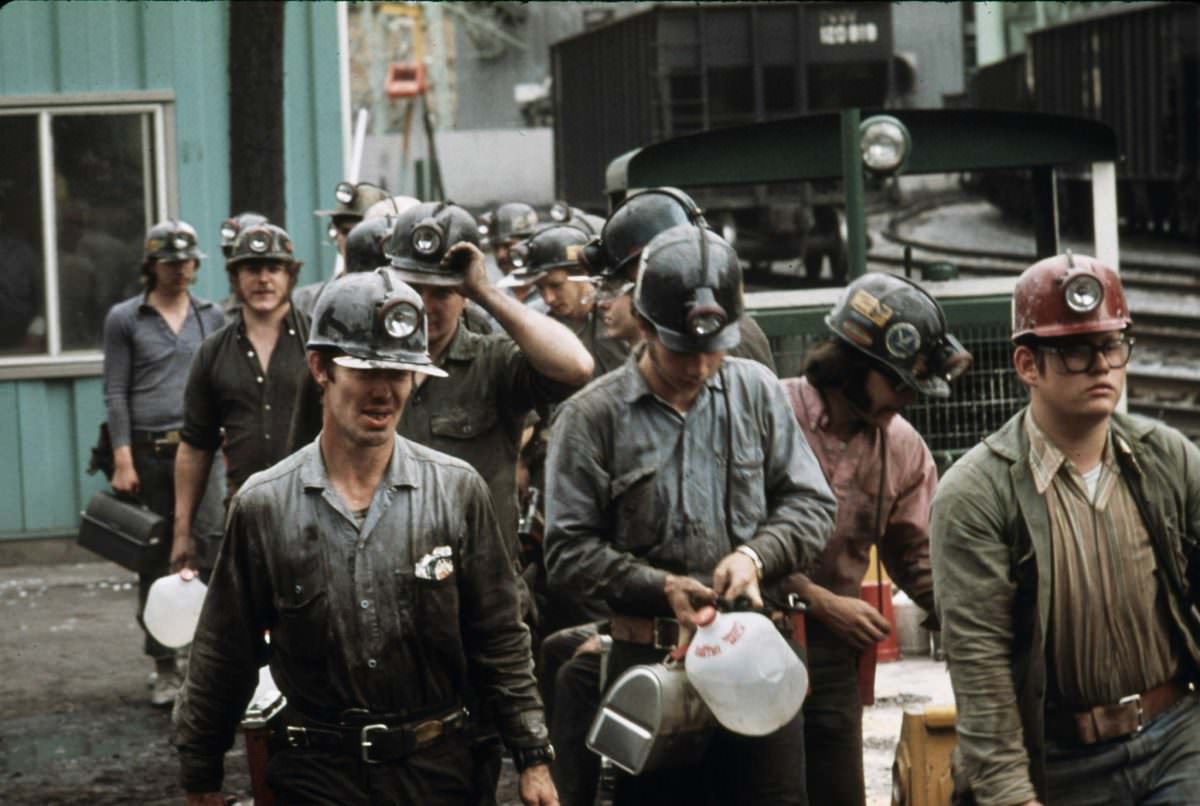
(80, 188)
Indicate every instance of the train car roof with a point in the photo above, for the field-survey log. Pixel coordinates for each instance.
(808, 147)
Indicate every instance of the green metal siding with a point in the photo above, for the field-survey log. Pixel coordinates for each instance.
(47, 426)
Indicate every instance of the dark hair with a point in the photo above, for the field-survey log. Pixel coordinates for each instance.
(325, 358)
(834, 364)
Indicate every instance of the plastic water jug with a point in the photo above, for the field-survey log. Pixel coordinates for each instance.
(746, 672)
(173, 609)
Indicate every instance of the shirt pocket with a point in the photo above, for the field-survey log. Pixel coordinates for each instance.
(303, 629)
(747, 489)
(634, 497)
(465, 422)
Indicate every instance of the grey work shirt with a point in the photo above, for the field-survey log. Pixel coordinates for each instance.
(146, 363)
(370, 618)
(228, 389)
(607, 353)
(637, 490)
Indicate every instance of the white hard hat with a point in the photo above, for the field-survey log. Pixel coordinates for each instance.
(173, 609)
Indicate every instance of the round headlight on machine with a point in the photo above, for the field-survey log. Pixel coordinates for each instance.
(426, 240)
(1083, 293)
(401, 320)
(884, 143)
(345, 192)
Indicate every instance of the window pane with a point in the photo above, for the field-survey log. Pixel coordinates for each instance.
(22, 292)
(104, 198)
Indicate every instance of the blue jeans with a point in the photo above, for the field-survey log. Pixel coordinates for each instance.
(1158, 767)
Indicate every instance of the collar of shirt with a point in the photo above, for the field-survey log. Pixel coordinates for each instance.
(288, 323)
(638, 387)
(196, 304)
(400, 471)
(463, 346)
(1046, 460)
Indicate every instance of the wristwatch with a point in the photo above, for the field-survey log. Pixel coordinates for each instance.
(525, 757)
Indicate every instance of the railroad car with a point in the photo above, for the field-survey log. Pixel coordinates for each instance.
(677, 69)
(1134, 67)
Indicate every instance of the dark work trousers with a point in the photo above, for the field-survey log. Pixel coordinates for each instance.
(156, 475)
(437, 775)
(558, 648)
(833, 721)
(737, 770)
(487, 755)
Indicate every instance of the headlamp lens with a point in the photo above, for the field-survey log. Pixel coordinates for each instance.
(883, 143)
(228, 233)
(259, 242)
(426, 240)
(706, 324)
(345, 192)
(1083, 293)
(401, 320)
(181, 242)
(560, 212)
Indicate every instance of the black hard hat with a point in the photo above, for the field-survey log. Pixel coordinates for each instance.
(689, 288)
(364, 244)
(513, 221)
(634, 224)
(376, 320)
(169, 241)
(230, 228)
(353, 199)
(898, 324)
(420, 238)
(555, 246)
(262, 242)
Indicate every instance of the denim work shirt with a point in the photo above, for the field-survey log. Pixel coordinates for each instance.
(637, 490)
(227, 389)
(390, 618)
(146, 363)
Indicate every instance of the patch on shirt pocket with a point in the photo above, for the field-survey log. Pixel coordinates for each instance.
(464, 423)
(436, 565)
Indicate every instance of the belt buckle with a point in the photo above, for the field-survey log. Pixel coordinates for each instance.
(365, 741)
(296, 736)
(665, 633)
(1136, 699)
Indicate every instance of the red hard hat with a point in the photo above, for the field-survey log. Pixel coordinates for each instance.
(1068, 295)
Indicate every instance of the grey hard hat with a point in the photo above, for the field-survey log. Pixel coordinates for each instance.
(556, 246)
(421, 237)
(263, 242)
(231, 226)
(170, 241)
(353, 200)
(373, 320)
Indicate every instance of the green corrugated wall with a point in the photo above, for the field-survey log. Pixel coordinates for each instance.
(49, 48)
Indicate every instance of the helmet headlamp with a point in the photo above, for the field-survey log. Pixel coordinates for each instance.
(560, 212)
(345, 192)
(705, 317)
(518, 256)
(884, 144)
(400, 319)
(1083, 293)
(259, 241)
(427, 238)
(951, 359)
(228, 231)
(181, 242)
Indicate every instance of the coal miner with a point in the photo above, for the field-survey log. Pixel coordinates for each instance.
(243, 382)
(383, 578)
(888, 344)
(149, 341)
(1066, 570)
(679, 477)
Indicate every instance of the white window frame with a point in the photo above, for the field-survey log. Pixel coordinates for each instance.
(56, 362)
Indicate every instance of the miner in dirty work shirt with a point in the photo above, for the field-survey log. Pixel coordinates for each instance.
(677, 478)
(379, 569)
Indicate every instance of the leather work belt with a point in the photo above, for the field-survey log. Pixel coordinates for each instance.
(158, 440)
(1124, 718)
(660, 633)
(376, 742)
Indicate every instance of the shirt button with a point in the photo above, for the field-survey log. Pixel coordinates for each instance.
(372, 663)
(293, 333)
(299, 589)
(364, 604)
(466, 429)
(259, 379)
(250, 353)
(267, 407)
(266, 436)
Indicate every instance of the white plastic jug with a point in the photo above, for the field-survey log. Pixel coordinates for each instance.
(173, 609)
(746, 672)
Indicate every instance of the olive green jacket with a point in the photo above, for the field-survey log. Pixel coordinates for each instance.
(990, 541)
